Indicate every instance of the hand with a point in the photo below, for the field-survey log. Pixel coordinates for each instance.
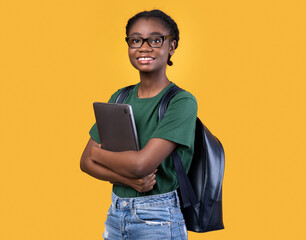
(144, 184)
(94, 150)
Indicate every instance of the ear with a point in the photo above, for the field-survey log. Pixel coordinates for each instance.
(172, 47)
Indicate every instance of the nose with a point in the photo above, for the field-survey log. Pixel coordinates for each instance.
(145, 46)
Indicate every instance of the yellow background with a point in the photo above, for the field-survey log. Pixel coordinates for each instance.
(243, 60)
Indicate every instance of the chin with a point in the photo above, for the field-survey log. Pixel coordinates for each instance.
(144, 68)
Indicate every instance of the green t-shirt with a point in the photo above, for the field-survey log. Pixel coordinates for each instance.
(178, 125)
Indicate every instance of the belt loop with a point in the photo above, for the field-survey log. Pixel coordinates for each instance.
(177, 198)
(132, 200)
(115, 207)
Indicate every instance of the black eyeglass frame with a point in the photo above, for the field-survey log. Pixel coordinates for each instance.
(164, 38)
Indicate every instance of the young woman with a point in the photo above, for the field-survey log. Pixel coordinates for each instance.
(145, 204)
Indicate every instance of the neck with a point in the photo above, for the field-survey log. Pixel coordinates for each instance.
(152, 83)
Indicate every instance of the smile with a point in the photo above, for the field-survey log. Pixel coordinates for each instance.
(145, 58)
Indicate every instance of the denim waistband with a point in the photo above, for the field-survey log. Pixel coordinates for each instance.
(158, 200)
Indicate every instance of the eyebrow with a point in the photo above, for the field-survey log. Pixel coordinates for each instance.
(151, 34)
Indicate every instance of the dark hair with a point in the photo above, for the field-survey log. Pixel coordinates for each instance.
(166, 20)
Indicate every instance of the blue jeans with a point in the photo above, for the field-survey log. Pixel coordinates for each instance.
(151, 217)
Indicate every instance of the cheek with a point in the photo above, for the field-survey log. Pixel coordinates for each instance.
(165, 52)
(165, 56)
(131, 55)
(132, 58)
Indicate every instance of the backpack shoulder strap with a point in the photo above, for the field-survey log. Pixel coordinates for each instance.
(187, 193)
(124, 93)
(166, 99)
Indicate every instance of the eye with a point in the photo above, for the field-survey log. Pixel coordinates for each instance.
(156, 39)
(135, 40)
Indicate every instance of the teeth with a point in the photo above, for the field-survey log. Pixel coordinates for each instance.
(145, 58)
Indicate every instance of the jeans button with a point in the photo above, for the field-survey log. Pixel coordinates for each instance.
(124, 203)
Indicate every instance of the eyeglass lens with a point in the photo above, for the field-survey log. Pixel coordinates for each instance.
(153, 41)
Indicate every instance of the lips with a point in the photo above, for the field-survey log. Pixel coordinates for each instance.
(145, 59)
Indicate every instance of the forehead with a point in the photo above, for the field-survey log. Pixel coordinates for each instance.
(148, 27)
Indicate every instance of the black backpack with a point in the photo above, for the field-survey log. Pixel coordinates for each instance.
(201, 191)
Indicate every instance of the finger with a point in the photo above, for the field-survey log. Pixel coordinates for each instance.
(153, 172)
(151, 178)
(148, 177)
(152, 184)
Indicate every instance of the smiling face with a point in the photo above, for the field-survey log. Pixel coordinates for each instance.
(146, 58)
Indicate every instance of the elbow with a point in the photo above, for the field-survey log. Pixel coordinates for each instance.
(138, 172)
(83, 165)
(141, 168)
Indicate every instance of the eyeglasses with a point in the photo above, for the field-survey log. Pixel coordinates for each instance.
(154, 42)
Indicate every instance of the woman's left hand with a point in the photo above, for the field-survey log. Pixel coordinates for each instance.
(94, 151)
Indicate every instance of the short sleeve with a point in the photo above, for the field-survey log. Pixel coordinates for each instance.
(94, 134)
(178, 124)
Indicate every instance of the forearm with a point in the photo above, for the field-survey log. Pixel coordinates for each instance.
(126, 163)
(135, 164)
(101, 172)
